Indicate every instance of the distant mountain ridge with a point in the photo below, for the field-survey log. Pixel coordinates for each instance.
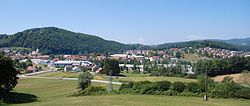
(198, 44)
(52, 40)
(237, 41)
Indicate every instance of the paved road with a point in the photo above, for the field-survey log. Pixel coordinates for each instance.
(53, 78)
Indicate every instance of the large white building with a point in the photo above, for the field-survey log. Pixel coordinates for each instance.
(63, 63)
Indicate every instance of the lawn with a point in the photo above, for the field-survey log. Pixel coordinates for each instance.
(55, 93)
(144, 77)
(58, 74)
(128, 77)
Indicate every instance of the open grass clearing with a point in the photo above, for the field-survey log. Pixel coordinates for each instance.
(128, 77)
(59, 74)
(193, 57)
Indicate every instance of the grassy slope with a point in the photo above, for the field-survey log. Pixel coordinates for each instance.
(193, 57)
(55, 92)
(241, 78)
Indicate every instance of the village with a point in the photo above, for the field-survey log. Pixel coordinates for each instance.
(130, 60)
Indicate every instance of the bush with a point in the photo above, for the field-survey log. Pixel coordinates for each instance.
(192, 87)
(243, 92)
(2, 102)
(187, 93)
(226, 89)
(162, 85)
(136, 72)
(139, 85)
(126, 85)
(154, 73)
(94, 90)
(178, 86)
(170, 92)
(84, 80)
(201, 83)
(126, 91)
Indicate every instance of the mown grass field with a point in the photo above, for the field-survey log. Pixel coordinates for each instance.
(152, 78)
(128, 77)
(56, 92)
(59, 74)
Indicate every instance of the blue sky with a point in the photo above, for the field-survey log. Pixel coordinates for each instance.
(132, 21)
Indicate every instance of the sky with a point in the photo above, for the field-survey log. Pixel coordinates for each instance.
(132, 21)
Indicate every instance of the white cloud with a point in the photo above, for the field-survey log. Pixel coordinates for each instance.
(141, 40)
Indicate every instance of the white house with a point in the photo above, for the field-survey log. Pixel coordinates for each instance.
(64, 63)
(76, 69)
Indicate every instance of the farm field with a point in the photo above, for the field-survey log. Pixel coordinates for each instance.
(153, 79)
(42, 92)
(241, 78)
(193, 57)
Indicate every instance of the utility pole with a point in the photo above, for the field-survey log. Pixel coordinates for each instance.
(110, 81)
(205, 96)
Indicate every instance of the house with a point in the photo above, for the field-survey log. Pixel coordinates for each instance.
(31, 69)
(131, 67)
(67, 68)
(56, 59)
(76, 69)
(154, 58)
(118, 56)
(40, 61)
(72, 69)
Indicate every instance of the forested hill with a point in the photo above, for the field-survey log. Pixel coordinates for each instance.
(199, 44)
(59, 41)
(52, 40)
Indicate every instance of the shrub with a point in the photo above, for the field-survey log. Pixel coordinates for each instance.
(84, 80)
(126, 91)
(170, 92)
(148, 88)
(201, 83)
(154, 73)
(95, 90)
(126, 85)
(192, 87)
(187, 93)
(136, 72)
(2, 102)
(226, 89)
(162, 85)
(139, 85)
(178, 86)
(243, 92)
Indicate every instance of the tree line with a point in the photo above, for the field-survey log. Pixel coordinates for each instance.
(222, 66)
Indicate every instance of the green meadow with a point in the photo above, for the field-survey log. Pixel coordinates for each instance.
(44, 92)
